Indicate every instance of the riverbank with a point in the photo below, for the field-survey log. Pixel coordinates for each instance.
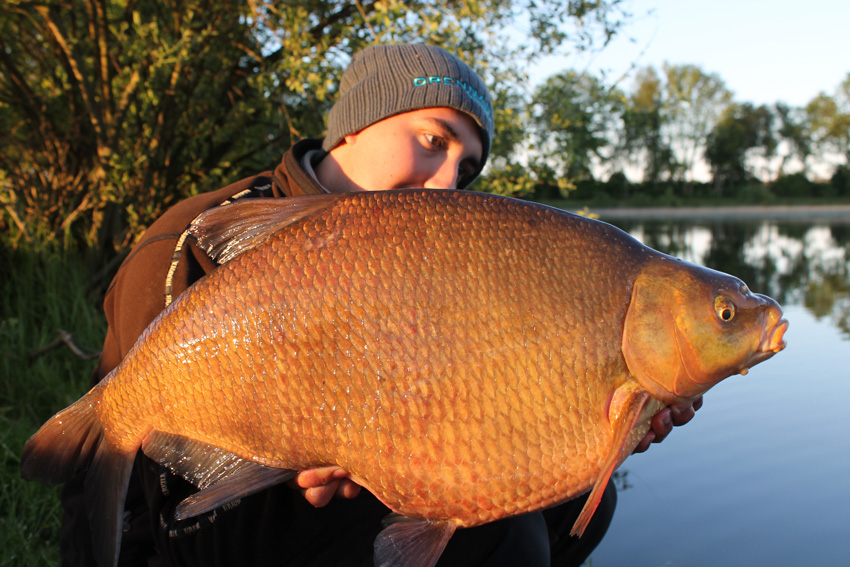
(832, 213)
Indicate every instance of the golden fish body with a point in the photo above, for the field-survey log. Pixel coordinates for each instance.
(464, 357)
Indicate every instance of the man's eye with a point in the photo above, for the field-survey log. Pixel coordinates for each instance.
(435, 141)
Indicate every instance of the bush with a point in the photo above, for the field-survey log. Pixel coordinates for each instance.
(589, 190)
(756, 193)
(701, 190)
(793, 185)
(658, 190)
(618, 185)
(825, 190)
(840, 181)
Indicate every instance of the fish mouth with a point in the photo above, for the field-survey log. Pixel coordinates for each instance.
(776, 338)
(772, 342)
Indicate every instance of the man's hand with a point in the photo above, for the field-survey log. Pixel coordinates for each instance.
(320, 485)
(663, 423)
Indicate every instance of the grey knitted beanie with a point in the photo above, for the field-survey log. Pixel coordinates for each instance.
(384, 80)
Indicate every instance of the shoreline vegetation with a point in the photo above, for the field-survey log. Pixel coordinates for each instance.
(789, 197)
(836, 212)
(807, 200)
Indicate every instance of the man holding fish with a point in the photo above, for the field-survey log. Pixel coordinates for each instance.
(406, 116)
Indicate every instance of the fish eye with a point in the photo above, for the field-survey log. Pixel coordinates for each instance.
(724, 308)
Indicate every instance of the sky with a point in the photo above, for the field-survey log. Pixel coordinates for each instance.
(766, 51)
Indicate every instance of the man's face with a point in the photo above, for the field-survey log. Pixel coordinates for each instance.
(434, 148)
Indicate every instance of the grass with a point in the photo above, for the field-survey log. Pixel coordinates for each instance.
(40, 292)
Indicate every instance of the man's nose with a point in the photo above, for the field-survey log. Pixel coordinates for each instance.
(445, 177)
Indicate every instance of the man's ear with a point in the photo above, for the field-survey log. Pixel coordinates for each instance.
(350, 139)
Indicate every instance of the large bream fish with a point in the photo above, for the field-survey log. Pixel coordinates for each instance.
(465, 357)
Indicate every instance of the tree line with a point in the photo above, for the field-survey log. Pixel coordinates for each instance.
(667, 127)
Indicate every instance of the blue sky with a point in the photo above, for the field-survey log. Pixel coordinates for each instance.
(765, 50)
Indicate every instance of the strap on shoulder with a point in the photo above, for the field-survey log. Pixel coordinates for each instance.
(263, 188)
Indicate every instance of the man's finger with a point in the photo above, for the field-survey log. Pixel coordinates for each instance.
(312, 478)
(319, 496)
(347, 488)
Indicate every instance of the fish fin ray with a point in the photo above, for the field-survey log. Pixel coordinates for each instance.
(64, 445)
(627, 419)
(72, 442)
(411, 542)
(652, 340)
(221, 476)
(200, 463)
(227, 231)
(249, 479)
(105, 489)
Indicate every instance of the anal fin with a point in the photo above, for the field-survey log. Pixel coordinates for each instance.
(629, 411)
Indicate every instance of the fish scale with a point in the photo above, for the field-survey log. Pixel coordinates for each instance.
(464, 357)
(371, 278)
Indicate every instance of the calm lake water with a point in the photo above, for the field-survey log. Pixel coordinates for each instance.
(761, 476)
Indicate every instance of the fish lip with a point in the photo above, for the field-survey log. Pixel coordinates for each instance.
(771, 343)
(774, 341)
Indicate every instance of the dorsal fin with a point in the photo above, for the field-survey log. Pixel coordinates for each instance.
(225, 232)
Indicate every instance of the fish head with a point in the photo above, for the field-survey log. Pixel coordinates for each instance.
(688, 327)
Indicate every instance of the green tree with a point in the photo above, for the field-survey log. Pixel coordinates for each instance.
(829, 121)
(641, 142)
(111, 110)
(505, 174)
(741, 129)
(793, 136)
(575, 116)
(693, 101)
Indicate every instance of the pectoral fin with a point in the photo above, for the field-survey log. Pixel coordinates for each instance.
(411, 542)
(627, 410)
(222, 476)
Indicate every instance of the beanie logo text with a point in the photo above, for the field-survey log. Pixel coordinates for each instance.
(476, 96)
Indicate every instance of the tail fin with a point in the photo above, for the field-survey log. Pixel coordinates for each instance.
(64, 445)
(72, 442)
(106, 490)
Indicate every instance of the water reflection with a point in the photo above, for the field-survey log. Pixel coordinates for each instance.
(755, 478)
(797, 263)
